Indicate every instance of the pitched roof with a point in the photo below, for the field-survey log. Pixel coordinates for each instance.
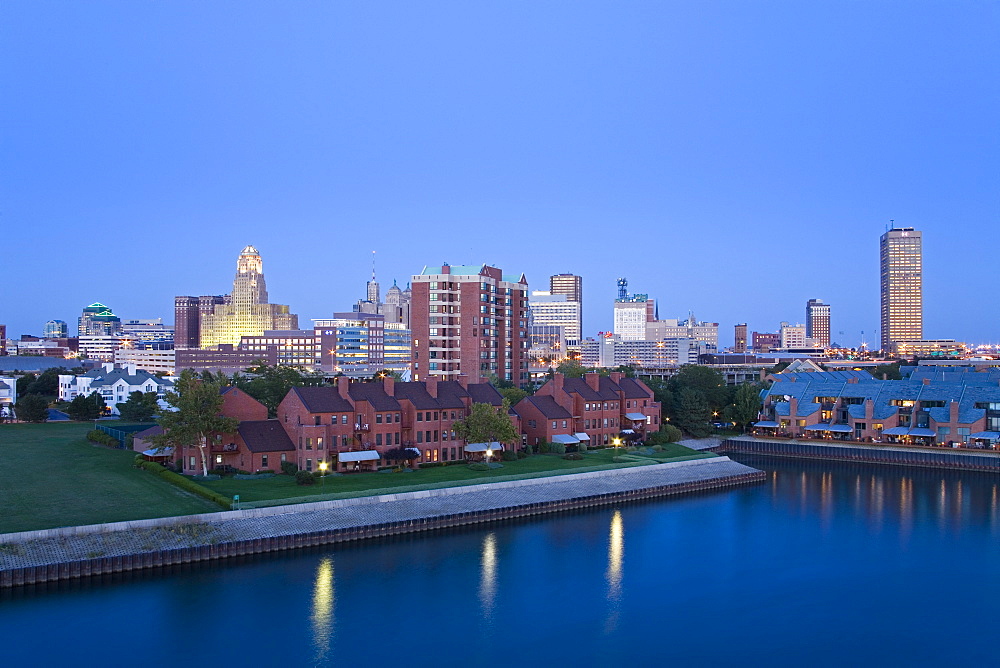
(634, 389)
(451, 393)
(265, 436)
(484, 393)
(323, 400)
(374, 394)
(416, 393)
(548, 407)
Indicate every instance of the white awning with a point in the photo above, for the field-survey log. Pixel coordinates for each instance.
(165, 452)
(822, 426)
(842, 428)
(482, 447)
(565, 439)
(990, 435)
(362, 456)
(768, 424)
(921, 431)
(582, 436)
(627, 431)
(636, 416)
(896, 431)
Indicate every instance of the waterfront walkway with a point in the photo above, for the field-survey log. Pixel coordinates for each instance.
(117, 545)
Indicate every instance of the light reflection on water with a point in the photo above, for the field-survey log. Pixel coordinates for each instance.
(616, 561)
(488, 575)
(322, 609)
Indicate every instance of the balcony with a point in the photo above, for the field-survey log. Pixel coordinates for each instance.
(362, 426)
(225, 447)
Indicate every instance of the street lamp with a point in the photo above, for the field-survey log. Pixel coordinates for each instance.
(617, 442)
(489, 454)
(322, 469)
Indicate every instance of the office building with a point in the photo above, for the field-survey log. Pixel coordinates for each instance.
(692, 328)
(901, 271)
(740, 338)
(55, 329)
(469, 320)
(98, 320)
(248, 312)
(547, 309)
(632, 314)
(818, 323)
(792, 336)
(570, 285)
(765, 342)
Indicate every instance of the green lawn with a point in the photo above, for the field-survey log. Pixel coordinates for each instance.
(282, 487)
(51, 476)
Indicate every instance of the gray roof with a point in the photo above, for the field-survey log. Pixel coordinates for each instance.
(103, 378)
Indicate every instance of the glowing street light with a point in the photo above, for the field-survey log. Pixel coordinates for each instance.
(489, 453)
(322, 470)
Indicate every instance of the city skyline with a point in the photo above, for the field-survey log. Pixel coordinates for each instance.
(730, 160)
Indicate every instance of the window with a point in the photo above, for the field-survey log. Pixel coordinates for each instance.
(436, 439)
(319, 443)
(564, 424)
(428, 436)
(309, 444)
(553, 424)
(218, 459)
(397, 438)
(283, 457)
(316, 419)
(420, 437)
(343, 419)
(397, 417)
(378, 418)
(263, 461)
(420, 416)
(192, 464)
(378, 439)
(309, 465)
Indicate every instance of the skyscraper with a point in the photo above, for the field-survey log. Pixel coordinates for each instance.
(547, 309)
(98, 320)
(570, 285)
(818, 322)
(469, 320)
(740, 338)
(188, 312)
(901, 265)
(248, 312)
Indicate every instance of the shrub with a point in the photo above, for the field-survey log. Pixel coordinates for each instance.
(657, 448)
(263, 471)
(573, 456)
(543, 447)
(671, 433)
(221, 472)
(289, 468)
(523, 454)
(526, 450)
(185, 483)
(304, 478)
(101, 438)
(479, 466)
(557, 448)
(430, 465)
(510, 455)
(582, 447)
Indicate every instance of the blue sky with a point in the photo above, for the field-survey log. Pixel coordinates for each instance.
(732, 158)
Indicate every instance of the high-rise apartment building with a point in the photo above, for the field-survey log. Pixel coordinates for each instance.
(901, 269)
(469, 320)
(818, 323)
(570, 285)
(249, 313)
(98, 320)
(740, 338)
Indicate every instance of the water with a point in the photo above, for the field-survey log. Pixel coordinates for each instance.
(825, 564)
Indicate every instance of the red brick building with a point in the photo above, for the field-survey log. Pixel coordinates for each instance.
(470, 320)
(595, 409)
(351, 425)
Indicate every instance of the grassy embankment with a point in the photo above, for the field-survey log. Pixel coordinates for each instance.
(282, 489)
(51, 476)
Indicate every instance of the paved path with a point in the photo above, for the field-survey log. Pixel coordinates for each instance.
(701, 443)
(53, 546)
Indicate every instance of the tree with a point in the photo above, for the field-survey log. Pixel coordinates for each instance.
(32, 408)
(487, 424)
(197, 403)
(269, 384)
(571, 369)
(387, 373)
(140, 407)
(513, 394)
(400, 455)
(693, 412)
(83, 408)
(746, 404)
(887, 371)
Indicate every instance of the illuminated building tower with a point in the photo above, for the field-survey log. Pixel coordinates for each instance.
(570, 285)
(469, 321)
(248, 312)
(55, 329)
(818, 323)
(901, 269)
(98, 320)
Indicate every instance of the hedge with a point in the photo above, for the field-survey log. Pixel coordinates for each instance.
(103, 438)
(184, 483)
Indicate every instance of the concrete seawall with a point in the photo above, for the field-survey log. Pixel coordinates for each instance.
(35, 557)
(870, 454)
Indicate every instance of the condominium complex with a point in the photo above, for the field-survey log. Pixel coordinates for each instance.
(249, 313)
(818, 323)
(469, 320)
(901, 270)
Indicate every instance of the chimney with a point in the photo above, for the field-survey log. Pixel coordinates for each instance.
(616, 376)
(927, 381)
(953, 411)
(342, 383)
(853, 380)
(557, 381)
(593, 381)
(432, 386)
(389, 385)
(463, 380)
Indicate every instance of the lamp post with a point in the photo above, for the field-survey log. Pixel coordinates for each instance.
(489, 453)
(322, 469)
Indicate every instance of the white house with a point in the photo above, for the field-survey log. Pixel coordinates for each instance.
(114, 384)
(8, 394)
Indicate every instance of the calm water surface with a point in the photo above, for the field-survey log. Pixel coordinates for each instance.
(825, 564)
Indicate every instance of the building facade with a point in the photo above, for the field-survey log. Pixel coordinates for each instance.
(740, 338)
(547, 309)
(98, 320)
(469, 320)
(818, 323)
(706, 332)
(248, 312)
(570, 285)
(56, 329)
(901, 283)
(114, 384)
(188, 312)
